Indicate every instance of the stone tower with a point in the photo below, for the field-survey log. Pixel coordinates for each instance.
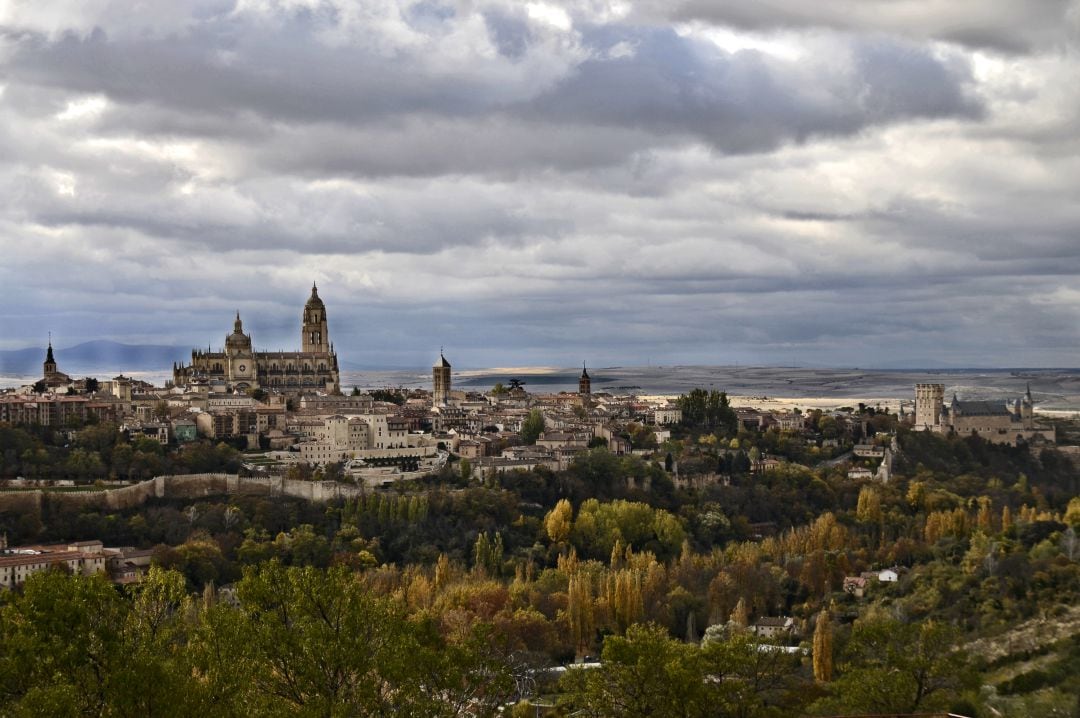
(1027, 409)
(239, 358)
(440, 375)
(929, 398)
(584, 383)
(50, 362)
(314, 337)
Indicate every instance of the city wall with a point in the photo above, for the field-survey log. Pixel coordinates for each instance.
(189, 486)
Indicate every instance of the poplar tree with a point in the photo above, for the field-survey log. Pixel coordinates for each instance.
(823, 647)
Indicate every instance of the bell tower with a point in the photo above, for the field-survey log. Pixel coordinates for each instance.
(314, 337)
(584, 384)
(50, 362)
(440, 375)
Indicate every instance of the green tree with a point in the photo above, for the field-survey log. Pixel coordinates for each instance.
(894, 667)
(532, 427)
(645, 673)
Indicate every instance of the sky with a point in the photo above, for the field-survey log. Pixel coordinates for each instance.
(836, 183)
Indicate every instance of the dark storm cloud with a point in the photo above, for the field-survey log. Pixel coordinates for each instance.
(665, 85)
(747, 102)
(533, 181)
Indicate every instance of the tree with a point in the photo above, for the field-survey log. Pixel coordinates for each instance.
(466, 470)
(868, 509)
(823, 647)
(579, 611)
(59, 642)
(313, 642)
(645, 673)
(557, 522)
(532, 427)
(894, 667)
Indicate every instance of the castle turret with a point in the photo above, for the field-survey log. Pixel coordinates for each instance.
(1027, 409)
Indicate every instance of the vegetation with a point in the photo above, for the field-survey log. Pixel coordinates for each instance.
(455, 595)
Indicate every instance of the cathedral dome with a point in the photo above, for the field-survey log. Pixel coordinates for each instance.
(314, 300)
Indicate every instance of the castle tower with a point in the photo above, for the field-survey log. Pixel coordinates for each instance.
(929, 398)
(584, 383)
(1027, 409)
(314, 337)
(440, 375)
(50, 362)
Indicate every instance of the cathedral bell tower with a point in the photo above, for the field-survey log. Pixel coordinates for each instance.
(315, 337)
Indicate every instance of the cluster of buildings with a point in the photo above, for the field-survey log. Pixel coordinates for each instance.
(291, 404)
(86, 558)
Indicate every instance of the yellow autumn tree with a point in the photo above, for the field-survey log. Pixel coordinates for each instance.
(823, 647)
(558, 521)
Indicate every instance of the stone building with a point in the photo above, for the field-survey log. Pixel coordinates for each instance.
(313, 368)
(998, 422)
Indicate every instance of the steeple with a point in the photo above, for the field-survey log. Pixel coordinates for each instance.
(50, 361)
(584, 385)
(238, 327)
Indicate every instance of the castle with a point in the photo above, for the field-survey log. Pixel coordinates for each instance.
(997, 422)
(313, 368)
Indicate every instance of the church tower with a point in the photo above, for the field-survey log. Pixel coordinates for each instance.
(314, 337)
(440, 375)
(50, 362)
(584, 383)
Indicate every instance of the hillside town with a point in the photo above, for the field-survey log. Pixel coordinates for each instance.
(246, 461)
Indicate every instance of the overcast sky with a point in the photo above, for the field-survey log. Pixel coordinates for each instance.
(840, 182)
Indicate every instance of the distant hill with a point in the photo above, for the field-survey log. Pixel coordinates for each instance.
(94, 356)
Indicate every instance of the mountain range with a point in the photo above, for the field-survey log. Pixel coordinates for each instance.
(93, 357)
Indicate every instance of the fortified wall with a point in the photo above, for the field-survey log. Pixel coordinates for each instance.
(188, 486)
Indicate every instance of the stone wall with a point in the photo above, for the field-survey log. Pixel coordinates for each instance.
(187, 486)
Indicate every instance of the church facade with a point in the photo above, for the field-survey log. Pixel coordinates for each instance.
(313, 368)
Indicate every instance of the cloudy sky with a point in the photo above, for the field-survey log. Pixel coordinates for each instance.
(842, 182)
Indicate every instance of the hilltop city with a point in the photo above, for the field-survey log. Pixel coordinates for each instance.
(565, 521)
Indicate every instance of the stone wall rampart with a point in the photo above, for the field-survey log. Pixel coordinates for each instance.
(189, 486)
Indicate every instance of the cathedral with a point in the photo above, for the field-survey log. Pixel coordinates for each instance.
(313, 368)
